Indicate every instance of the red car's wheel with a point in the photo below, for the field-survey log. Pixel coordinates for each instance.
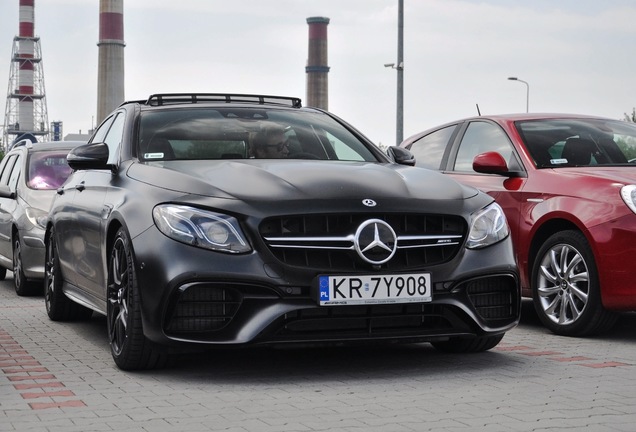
(565, 287)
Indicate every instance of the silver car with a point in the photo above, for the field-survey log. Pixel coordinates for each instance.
(30, 174)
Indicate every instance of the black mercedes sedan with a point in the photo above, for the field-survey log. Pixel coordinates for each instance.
(200, 220)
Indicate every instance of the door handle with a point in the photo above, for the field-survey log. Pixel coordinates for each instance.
(80, 187)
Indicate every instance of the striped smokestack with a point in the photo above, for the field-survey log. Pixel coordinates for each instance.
(26, 115)
(110, 74)
(317, 69)
(26, 55)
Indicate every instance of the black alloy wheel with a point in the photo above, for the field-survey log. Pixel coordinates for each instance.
(58, 306)
(129, 347)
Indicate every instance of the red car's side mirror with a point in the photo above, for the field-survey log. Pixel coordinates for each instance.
(490, 163)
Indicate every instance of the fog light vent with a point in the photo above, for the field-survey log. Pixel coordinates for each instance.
(203, 308)
(494, 298)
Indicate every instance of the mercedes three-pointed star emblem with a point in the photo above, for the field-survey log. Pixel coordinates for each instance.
(375, 241)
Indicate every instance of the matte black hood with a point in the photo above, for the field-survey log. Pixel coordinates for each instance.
(299, 179)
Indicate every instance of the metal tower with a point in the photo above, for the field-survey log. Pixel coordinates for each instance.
(26, 111)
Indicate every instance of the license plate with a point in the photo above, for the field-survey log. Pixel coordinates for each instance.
(374, 289)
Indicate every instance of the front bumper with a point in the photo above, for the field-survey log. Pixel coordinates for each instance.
(33, 253)
(190, 295)
(614, 244)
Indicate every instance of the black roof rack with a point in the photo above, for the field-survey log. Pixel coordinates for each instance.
(176, 98)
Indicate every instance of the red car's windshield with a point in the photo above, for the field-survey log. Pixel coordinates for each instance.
(555, 143)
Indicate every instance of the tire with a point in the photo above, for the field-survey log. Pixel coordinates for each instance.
(466, 345)
(3, 273)
(23, 286)
(565, 287)
(58, 306)
(130, 349)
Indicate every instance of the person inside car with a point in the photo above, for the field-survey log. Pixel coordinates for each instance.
(270, 142)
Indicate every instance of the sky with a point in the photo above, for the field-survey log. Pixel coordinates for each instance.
(576, 55)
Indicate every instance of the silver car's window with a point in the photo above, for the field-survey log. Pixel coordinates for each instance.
(6, 170)
(15, 174)
(243, 133)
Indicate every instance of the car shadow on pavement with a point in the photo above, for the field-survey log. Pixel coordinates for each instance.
(624, 330)
(321, 364)
(306, 364)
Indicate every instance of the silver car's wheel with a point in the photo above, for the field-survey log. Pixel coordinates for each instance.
(23, 286)
(566, 290)
(129, 347)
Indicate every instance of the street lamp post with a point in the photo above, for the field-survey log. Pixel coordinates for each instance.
(399, 122)
(527, 91)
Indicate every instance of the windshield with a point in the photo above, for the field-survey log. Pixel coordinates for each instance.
(555, 143)
(242, 133)
(47, 169)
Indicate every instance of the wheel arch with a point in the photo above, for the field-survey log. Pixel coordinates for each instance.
(541, 234)
(113, 227)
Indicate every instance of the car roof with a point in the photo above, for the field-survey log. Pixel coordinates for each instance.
(503, 118)
(170, 99)
(48, 145)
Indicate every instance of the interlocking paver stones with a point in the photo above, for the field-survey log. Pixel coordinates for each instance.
(60, 377)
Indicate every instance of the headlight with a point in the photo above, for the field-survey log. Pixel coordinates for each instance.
(37, 217)
(488, 227)
(200, 228)
(628, 193)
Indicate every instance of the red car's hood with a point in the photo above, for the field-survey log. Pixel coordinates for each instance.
(618, 174)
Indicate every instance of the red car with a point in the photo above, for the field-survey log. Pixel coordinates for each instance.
(567, 185)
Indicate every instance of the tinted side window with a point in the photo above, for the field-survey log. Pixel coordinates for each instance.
(100, 133)
(6, 168)
(113, 138)
(15, 173)
(483, 137)
(429, 150)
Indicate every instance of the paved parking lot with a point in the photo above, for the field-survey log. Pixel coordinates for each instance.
(60, 377)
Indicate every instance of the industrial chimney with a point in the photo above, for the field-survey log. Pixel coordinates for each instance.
(317, 69)
(110, 74)
(26, 113)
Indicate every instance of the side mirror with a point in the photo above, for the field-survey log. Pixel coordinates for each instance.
(490, 163)
(89, 156)
(401, 155)
(494, 163)
(5, 192)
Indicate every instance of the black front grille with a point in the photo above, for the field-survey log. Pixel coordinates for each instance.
(326, 241)
(202, 308)
(494, 298)
(371, 321)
